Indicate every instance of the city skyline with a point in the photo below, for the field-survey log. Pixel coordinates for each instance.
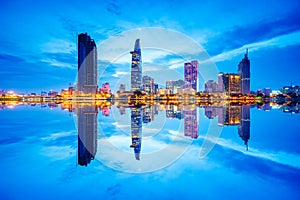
(35, 59)
(122, 99)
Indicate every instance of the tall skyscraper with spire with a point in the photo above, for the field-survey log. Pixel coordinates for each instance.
(136, 67)
(87, 65)
(244, 72)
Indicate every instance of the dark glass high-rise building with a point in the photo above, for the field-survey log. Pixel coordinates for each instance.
(191, 75)
(244, 72)
(87, 65)
(136, 67)
(87, 134)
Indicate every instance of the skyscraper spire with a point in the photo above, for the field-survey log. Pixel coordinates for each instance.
(246, 55)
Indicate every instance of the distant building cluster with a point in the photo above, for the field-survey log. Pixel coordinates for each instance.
(232, 83)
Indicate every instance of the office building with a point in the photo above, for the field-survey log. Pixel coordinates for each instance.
(191, 75)
(210, 86)
(148, 85)
(87, 65)
(244, 72)
(229, 83)
(173, 86)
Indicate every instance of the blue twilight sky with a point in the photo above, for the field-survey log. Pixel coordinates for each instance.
(38, 38)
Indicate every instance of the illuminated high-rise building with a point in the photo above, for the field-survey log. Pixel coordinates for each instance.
(191, 75)
(229, 83)
(136, 67)
(211, 86)
(190, 123)
(87, 65)
(148, 84)
(136, 131)
(244, 72)
(173, 86)
(87, 134)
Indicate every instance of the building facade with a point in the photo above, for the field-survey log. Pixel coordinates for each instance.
(229, 83)
(173, 86)
(191, 75)
(148, 85)
(87, 65)
(244, 72)
(210, 86)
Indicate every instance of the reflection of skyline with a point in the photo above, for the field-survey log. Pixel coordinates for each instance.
(228, 115)
(236, 115)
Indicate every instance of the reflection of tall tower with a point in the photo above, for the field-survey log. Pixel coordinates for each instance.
(87, 64)
(136, 131)
(87, 134)
(191, 75)
(136, 67)
(244, 72)
(244, 127)
(190, 123)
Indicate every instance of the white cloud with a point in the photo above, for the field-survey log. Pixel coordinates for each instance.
(57, 135)
(59, 46)
(57, 63)
(118, 74)
(280, 157)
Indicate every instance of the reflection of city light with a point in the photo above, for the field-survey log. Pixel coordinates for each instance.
(10, 106)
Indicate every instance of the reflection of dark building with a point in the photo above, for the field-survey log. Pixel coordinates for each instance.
(136, 67)
(87, 134)
(172, 111)
(244, 127)
(229, 115)
(190, 123)
(244, 72)
(87, 64)
(136, 131)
